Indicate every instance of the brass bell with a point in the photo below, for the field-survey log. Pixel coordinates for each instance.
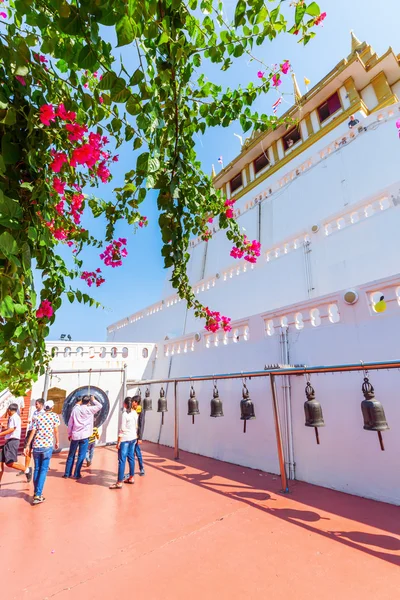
(193, 404)
(147, 402)
(162, 405)
(372, 411)
(216, 404)
(246, 407)
(313, 411)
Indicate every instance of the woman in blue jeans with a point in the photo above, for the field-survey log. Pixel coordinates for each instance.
(126, 444)
(44, 434)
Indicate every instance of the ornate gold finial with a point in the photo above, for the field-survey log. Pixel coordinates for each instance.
(296, 89)
(213, 173)
(355, 42)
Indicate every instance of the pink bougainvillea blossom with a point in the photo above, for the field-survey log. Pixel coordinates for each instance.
(320, 18)
(3, 15)
(101, 99)
(276, 82)
(20, 79)
(225, 323)
(229, 213)
(252, 250)
(85, 155)
(260, 74)
(285, 67)
(103, 172)
(59, 158)
(60, 207)
(116, 158)
(76, 131)
(58, 185)
(60, 234)
(210, 220)
(64, 114)
(93, 277)
(143, 222)
(215, 321)
(206, 235)
(47, 114)
(45, 310)
(114, 252)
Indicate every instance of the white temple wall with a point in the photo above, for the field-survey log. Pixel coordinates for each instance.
(349, 458)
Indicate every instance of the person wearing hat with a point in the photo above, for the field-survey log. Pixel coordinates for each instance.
(44, 439)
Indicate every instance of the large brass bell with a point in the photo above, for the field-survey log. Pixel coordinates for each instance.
(246, 407)
(147, 402)
(313, 411)
(162, 405)
(193, 404)
(216, 404)
(373, 413)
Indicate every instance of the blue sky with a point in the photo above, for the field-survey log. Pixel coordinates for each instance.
(140, 281)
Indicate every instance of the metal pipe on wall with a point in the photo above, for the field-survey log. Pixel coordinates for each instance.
(278, 434)
(124, 380)
(46, 384)
(176, 422)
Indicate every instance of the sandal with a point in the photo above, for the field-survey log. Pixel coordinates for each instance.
(116, 486)
(131, 481)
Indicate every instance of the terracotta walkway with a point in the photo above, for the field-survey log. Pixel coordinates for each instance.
(194, 529)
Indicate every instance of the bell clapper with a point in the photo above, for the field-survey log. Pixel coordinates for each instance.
(162, 418)
(381, 440)
(244, 426)
(192, 419)
(316, 434)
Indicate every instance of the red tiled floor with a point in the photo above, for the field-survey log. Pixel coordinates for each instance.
(193, 529)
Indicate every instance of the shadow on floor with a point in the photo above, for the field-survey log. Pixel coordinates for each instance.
(254, 490)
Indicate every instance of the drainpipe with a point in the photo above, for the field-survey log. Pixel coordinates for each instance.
(307, 268)
(287, 398)
(124, 379)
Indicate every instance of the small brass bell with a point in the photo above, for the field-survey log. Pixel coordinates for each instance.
(216, 404)
(147, 402)
(193, 404)
(313, 411)
(162, 405)
(372, 411)
(246, 407)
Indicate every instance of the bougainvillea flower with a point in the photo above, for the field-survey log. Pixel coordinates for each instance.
(60, 207)
(85, 155)
(101, 99)
(76, 131)
(64, 114)
(285, 67)
(276, 82)
(59, 158)
(3, 15)
(20, 79)
(229, 213)
(260, 74)
(320, 18)
(58, 185)
(47, 114)
(45, 310)
(103, 172)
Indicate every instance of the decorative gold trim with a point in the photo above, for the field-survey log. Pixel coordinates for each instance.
(381, 87)
(351, 90)
(274, 147)
(304, 146)
(309, 125)
(387, 102)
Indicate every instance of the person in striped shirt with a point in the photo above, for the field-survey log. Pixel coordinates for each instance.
(92, 443)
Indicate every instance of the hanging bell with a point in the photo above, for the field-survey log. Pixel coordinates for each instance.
(162, 405)
(313, 411)
(372, 411)
(193, 404)
(147, 402)
(246, 407)
(216, 404)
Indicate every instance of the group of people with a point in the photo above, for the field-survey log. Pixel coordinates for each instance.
(42, 438)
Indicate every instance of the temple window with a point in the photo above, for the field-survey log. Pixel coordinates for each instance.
(329, 107)
(291, 138)
(236, 182)
(261, 162)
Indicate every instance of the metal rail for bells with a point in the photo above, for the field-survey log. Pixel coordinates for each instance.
(272, 373)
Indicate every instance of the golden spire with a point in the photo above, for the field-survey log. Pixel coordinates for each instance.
(213, 173)
(355, 42)
(296, 89)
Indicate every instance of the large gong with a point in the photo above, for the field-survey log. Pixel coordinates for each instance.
(101, 396)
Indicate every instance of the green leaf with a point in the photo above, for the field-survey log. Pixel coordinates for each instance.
(87, 58)
(125, 31)
(137, 77)
(133, 106)
(73, 24)
(142, 162)
(10, 150)
(26, 256)
(313, 9)
(137, 143)
(107, 82)
(10, 118)
(20, 309)
(71, 296)
(119, 91)
(239, 12)
(7, 307)
(164, 38)
(299, 14)
(8, 245)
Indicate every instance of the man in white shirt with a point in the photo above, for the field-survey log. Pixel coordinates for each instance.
(12, 435)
